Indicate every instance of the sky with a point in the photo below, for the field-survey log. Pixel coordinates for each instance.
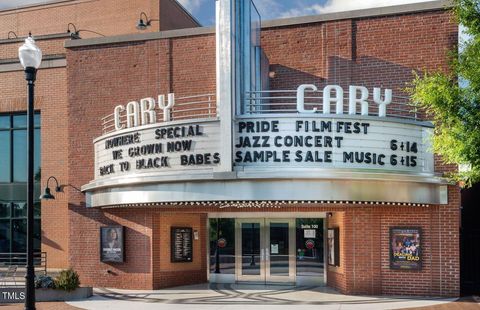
(204, 10)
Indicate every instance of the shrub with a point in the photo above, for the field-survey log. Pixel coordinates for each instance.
(44, 282)
(67, 280)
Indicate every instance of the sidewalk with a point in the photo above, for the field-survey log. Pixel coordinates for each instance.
(464, 303)
(40, 306)
(243, 297)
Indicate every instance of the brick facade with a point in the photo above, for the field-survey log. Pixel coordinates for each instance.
(106, 17)
(342, 52)
(364, 247)
(167, 274)
(378, 51)
(48, 24)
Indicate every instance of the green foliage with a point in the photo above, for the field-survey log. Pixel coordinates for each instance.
(468, 14)
(454, 108)
(68, 280)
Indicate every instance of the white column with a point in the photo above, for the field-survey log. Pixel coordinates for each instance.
(225, 80)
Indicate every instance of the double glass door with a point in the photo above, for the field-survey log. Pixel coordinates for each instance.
(265, 250)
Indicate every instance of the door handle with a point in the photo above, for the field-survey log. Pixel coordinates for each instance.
(262, 258)
(267, 256)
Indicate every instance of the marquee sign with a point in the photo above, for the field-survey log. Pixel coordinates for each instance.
(158, 149)
(347, 143)
(334, 143)
(302, 142)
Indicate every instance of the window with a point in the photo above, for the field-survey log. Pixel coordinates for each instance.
(13, 175)
(13, 148)
(13, 227)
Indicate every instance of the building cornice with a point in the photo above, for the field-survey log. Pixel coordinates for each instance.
(362, 13)
(52, 36)
(49, 61)
(178, 33)
(41, 5)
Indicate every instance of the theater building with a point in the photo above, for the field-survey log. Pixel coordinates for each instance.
(265, 152)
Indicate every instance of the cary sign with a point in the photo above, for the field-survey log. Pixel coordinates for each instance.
(357, 95)
(144, 111)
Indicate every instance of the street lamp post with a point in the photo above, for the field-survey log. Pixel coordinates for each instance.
(30, 58)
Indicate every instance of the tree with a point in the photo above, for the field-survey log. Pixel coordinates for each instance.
(452, 99)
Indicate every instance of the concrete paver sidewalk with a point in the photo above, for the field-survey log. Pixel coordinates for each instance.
(464, 303)
(41, 306)
(245, 297)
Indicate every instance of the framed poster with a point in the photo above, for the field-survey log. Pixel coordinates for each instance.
(333, 242)
(181, 244)
(405, 248)
(112, 245)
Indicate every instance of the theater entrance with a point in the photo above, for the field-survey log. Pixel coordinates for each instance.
(286, 251)
(266, 250)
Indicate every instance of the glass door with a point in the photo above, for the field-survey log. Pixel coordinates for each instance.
(265, 250)
(250, 257)
(280, 250)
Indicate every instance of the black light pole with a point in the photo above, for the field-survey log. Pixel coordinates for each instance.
(30, 58)
(217, 251)
(30, 74)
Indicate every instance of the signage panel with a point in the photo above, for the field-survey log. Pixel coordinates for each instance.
(12, 295)
(181, 244)
(180, 161)
(158, 148)
(346, 143)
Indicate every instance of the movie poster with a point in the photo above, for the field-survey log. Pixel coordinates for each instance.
(405, 248)
(111, 244)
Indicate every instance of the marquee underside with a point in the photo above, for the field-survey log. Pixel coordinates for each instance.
(270, 189)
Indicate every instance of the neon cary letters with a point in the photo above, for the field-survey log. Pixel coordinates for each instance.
(143, 112)
(356, 95)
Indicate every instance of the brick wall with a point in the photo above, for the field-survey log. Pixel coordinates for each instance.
(373, 52)
(167, 273)
(50, 99)
(336, 274)
(107, 71)
(107, 17)
(376, 51)
(136, 271)
(172, 16)
(48, 46)
(100, 77)
(364, 247)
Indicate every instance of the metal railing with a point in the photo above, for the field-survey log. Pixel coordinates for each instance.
(267, 102)
(13, 267)
(189, 107)
(285, 101)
